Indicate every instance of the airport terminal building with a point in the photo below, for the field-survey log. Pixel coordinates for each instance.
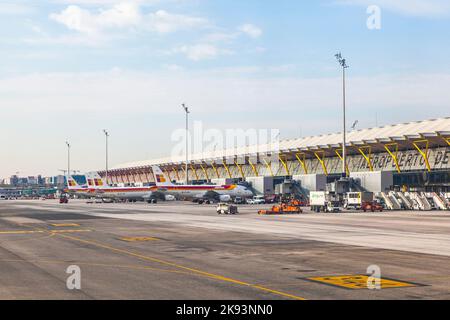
(413, 156)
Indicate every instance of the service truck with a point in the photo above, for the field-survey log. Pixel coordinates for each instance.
(322, 201)
(356, 200)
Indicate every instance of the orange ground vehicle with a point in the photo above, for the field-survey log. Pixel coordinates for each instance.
(371, 206)
(283, 208)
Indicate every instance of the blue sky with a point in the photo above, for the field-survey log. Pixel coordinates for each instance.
(73, 67)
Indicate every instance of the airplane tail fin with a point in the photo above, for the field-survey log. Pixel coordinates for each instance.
(94, 180)
(160, 178)
(72, 183)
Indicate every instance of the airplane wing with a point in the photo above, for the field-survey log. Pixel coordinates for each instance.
(155, 195)
(211, 195)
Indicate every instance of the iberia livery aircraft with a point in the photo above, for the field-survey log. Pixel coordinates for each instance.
(221, 193)
(74, 187)
(97, 187)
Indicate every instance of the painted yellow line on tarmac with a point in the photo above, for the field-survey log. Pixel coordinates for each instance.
(196, 271)
(138, 239)
(21, 232)
(91, 264)
(69, 231)
(61, 225)
(42, 231)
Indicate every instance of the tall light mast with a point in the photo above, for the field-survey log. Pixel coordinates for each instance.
(186, 110)
(343, 64)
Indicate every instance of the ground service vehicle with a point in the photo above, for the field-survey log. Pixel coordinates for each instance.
(226, 208)
(63, 199)
(257, 200)
(355, 200)
(322, 201)
(283, 208)
(372, 206)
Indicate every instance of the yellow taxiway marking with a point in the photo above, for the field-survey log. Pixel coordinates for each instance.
(90, 264)
(138, 239)
(195, 271)
(69, 231)
(41, 231)
(359, 281)
(61, 225)
(21, 232)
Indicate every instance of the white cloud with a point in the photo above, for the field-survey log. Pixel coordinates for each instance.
(163, 22)
(201, 51)
(84, 21)
(124, 15)
(426, 8)
(251, 30)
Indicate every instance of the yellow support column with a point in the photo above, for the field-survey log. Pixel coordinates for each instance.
(301, 157)
(176, 173)
(366, 156)
(168, 175)
(446, 139)
(184, 171)
(205, 172)
(255, 170)
(226, 168)
(240, 169)
(424, 154)
(342, 159)
(215, 170)
(393, 154)
(321, 160)
(285, 165)
(195, 171)
(269, 167)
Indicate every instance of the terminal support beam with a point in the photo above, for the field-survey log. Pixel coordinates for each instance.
(301, 157)
(446, 139)
(195, 172)
(320, 155)
(342, 159)
(423, 153)
(240, 169)
(176, 173)
(184, 171)
(205, 172)
(366, 152)
(168, 174)
(213, 164)
(269, 167)
(255, 170)
(285, 165)
(393, 154)
(227, 168)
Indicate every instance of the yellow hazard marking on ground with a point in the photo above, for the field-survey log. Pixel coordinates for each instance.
(138, 239)
(69, 231)
(194, 271)
(42, 231)
(21, 232)
(61, 225)
(360, 282)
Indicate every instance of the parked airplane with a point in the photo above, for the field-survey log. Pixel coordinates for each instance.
(199, 192)
(74, 188)
(97, 187)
